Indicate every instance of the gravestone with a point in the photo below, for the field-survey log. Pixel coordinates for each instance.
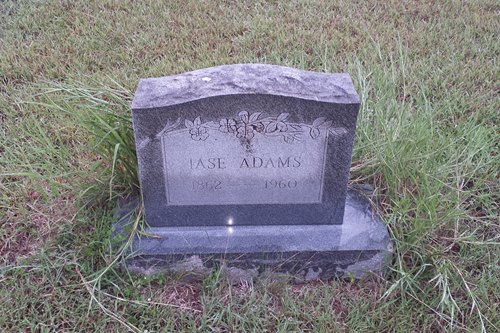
(247, 166)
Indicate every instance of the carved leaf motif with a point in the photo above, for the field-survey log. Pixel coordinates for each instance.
(197, 121)
(272, 127)
(314, 132)
(259, 127)
(338, 131)
(326, 124)
(243, 116)
(169, 127)
(188, 123)
(283, 116)
(289, 138)
(297, 136)
(255, 116)
(318, 121)
(282, 126)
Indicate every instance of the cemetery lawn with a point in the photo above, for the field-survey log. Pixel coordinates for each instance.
(427, 140)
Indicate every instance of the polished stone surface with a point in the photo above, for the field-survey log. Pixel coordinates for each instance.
(359, 246)
(245, 145)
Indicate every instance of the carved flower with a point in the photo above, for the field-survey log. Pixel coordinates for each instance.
(278, 125)
(248, 124)
(227, 125)
(245, 132)
(197, 131)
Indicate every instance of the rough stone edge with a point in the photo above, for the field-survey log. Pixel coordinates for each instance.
(239, 79)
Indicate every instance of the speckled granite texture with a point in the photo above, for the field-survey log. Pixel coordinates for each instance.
(357, 247)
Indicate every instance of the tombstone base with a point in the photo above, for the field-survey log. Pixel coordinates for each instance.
(357, 247)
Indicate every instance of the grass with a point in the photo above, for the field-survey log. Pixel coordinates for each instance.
(427, 140)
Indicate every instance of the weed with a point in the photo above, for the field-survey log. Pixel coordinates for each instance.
(427, 139)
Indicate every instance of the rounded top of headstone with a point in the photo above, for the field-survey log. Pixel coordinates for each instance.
(245, 79)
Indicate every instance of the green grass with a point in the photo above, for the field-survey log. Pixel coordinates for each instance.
(427, 139)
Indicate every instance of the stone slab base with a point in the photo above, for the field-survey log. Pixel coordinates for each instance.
(357, 247)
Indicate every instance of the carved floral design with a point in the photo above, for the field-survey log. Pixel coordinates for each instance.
(197, 130)
(246, 125)
(227, 125)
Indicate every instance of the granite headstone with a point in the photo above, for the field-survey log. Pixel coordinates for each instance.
(248, 165)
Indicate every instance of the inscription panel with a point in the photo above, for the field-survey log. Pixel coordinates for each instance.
(246, 159)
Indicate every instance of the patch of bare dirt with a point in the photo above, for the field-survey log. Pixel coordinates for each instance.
(184, 297)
